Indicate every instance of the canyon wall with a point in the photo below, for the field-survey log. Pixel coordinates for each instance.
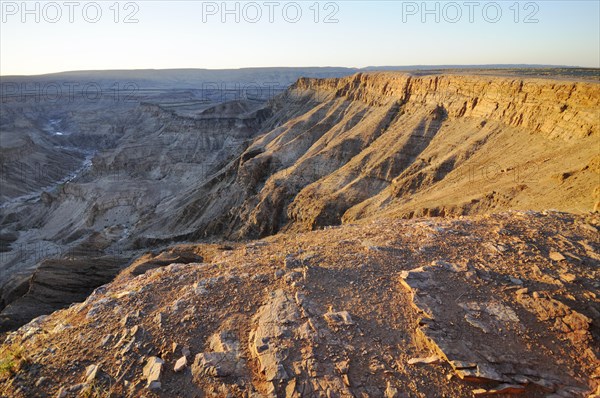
(565, 109)
(340, 150)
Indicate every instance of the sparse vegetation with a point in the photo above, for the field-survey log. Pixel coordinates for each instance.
(95, 389)
(12, 359)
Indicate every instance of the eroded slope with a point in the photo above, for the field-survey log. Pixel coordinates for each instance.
(338, 150)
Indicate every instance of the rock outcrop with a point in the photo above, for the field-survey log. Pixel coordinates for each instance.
(472, 306)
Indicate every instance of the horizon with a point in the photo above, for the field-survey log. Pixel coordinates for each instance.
(371, 68)
(43, 38)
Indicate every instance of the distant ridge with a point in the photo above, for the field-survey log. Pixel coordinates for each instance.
(186, 78)
(292, 68)
(281, 77)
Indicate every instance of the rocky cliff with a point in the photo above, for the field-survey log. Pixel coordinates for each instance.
(562, 109)
(337, 150)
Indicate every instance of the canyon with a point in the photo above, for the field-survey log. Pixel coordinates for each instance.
(326, 238)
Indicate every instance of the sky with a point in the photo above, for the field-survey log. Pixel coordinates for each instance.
(43, 37)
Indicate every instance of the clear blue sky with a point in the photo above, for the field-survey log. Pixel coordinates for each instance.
(191, 34)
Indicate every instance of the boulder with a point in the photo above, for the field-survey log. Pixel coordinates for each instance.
(152, 372)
